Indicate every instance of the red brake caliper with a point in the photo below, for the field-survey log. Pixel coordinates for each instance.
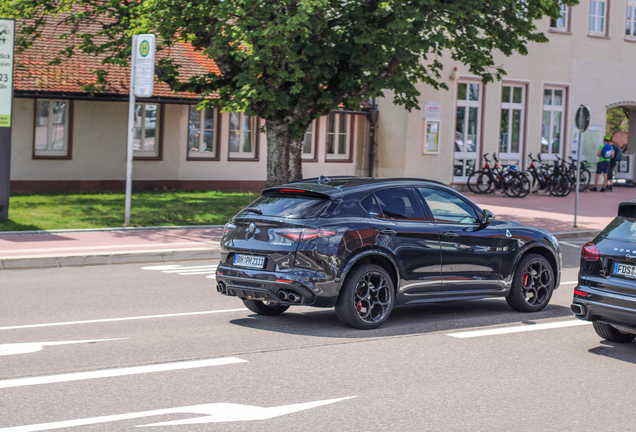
(525, 279)
(359, 306)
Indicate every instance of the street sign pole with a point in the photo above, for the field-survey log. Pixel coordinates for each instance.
(582, 123)
(131, 128)
(142, 75)
(7, 38)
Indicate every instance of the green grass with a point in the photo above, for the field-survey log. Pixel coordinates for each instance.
(102, 210)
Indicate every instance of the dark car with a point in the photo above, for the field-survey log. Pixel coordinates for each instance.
(364, 245)
(606, 291)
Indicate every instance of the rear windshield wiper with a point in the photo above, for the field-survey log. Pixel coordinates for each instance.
(254, 210)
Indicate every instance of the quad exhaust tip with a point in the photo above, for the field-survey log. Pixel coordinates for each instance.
(289, 296)
(577, 309)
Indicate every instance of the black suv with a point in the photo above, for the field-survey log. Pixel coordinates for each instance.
(365, 245)
(606, 292)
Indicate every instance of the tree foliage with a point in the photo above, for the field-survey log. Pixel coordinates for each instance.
(291, 61)
(617, 121)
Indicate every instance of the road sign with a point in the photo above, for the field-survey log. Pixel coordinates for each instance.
(7, 38)
(582, 118)
(144, 65)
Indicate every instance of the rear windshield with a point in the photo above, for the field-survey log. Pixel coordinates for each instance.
(288, 206)
(621, 228)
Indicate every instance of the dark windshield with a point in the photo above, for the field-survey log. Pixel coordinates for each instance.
(621, 228)
(287, 206)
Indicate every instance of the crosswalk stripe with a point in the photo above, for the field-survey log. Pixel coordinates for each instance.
(108, 373)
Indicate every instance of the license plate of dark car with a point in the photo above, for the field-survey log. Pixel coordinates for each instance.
(625, 270)
(249, 261)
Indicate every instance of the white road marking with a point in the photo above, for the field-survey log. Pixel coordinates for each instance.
(108, 373)
(31, 347)
(185, 271)
(570, 244)
(121, 319)
(569, 283)
(214, 413)
(518, 329)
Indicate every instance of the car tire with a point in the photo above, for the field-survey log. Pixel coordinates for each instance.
(263, 308)
(532, 284)
(612, 334)
(367, 298)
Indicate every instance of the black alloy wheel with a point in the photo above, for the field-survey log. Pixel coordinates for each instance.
(265, 308)
(532, 285)
(367, 298)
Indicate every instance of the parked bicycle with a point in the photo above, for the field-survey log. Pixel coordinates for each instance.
(489, 179)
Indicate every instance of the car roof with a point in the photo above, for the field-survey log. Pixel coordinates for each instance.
(338, 184)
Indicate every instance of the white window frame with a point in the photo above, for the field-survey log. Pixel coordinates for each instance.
(142, 131)
(463, 154)
(593, 23)
(49, 151)
(338, 119)
(253, 130)
(204, 114)
(630, 18)
(553, 109)
(510, 106)
(311, 135)
(564, 20)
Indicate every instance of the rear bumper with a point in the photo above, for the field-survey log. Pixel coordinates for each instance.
(295, 288)
(609, 307)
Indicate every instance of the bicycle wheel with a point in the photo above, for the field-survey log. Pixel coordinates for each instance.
(472, 182)
(560, 186)
(584, 182)
(484, 183)
(525, 184)
(511, 184)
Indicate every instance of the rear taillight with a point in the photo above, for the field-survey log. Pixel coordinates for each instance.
(590, 252)
(229, 227)
(580, 293)
(301, 235)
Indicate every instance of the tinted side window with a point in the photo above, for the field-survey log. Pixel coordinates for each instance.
(399, 203)
(371, 206)
(447, 207)
(621, 228)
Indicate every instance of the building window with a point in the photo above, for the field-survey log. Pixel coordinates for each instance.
(145, 131)
(51, 128)
(554, 100)
(467, 129)
(598, 17)
(338, 136)
(309, 141)
(242, 135)
(561, 24)
(202, 135)
(511, 136)
(630, 27)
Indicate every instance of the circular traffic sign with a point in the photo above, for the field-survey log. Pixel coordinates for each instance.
(582, 118)
(144, 48)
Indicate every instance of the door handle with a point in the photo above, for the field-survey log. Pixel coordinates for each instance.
(387, 232)
(450, 234)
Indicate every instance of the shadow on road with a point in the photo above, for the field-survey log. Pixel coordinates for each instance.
(618, 351)
(405, 320)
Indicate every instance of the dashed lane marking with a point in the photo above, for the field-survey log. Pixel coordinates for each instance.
(121, 319)
(184, 271)
(109, 373)
(31, 347)
(570, 244)
(518, 329)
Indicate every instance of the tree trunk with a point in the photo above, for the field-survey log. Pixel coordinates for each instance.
(284, 154)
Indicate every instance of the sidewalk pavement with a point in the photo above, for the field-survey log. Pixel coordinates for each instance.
(62, 248)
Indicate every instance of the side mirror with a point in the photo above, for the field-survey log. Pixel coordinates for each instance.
(487, 217)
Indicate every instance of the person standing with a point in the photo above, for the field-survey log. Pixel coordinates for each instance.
(617, 157)
(605, 154)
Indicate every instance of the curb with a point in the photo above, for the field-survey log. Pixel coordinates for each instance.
(577, 234)
(122, 229)
(109, 258)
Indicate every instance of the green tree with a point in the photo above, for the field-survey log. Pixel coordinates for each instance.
(617, 120)
(291, 61)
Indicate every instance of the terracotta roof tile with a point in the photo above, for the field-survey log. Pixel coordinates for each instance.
(34, 73)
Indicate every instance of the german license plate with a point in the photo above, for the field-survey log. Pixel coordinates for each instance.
(625, 270)
(249, 261)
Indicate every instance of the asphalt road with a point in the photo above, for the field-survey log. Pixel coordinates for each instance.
(113, 348)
